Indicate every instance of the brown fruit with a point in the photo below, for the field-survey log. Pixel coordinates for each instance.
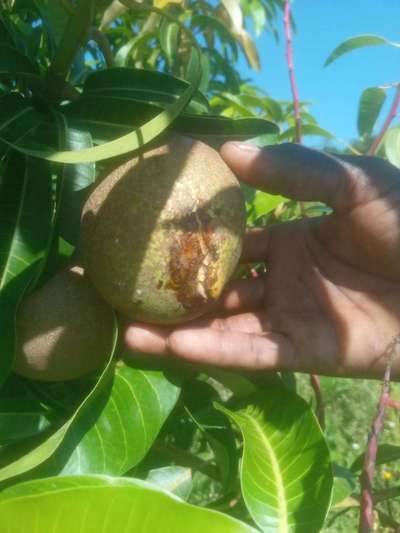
(64, 329)
(162, 234)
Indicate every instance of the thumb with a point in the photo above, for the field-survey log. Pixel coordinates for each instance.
(293, 171)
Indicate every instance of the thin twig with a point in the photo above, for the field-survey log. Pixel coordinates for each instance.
(320, 408)
(292, 77)
(366, 524)
(391, 115)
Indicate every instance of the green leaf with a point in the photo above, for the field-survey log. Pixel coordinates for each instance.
(344, 484)
(13, 63)
(127, 143)
(371, 102)
(48, 448)
(386, 454)
(306, 129)
(26, 224)
(175, 479)
(75, 179)
(206, 22)
(98, 503)
(286, 473)
(21, 418)
(120, 435)
(264, 203)
(169, 39)
(392, 145)
(142, 85)
(361, 41)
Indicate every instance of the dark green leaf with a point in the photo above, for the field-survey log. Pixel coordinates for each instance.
(26, 224)
(353, 43)
(386, 454)
(13, 63)
(370, 105)
(21, 418)
(142, 85)
(98, 503)
(286, 473)
(205, 23)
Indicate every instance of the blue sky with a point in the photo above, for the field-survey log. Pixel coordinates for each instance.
(335, 90)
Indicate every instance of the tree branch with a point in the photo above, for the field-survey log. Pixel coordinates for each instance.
(290, 64)
(366, 524)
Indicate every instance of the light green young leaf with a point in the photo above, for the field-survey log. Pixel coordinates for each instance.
(98, 503)
(391, 144)
(361, 41)
(369, 107)
(286, 473)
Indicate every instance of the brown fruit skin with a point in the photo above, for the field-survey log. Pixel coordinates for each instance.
(162, 234)
(64, 329)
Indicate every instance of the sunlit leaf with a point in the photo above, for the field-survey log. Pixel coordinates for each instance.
(98, 503)
(306, 129)
(286, 475)
(370, 105)
(206, 22)
(392, 145)
(354, 43)
(175, 479)
(344, 484)
(118, 437)
(169, 39)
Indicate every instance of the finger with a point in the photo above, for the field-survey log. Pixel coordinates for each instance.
(154, 339)
(242, 295)
(292, 170)
(232, 349)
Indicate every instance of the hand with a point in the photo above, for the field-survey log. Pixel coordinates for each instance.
(330, 300)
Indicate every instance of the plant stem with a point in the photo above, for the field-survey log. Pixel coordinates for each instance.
(290, 64)
(391, 115)
(320, 408)
(366, 524)
(101, 39)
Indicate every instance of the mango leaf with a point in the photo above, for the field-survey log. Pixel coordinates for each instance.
(142, 85)
(55, 18)
(206, 22)
(371, 102)
(286, 474)
(107, 504)
(74, 181)
(175, 479)
(344, 484)
(120, 435)
(26, 225)
(386, 454)
(392, 145)
(169, 39)
(360, 41)
(21, 418)
(306, 129)
(263, 203)
(48, 448)
(127, 143)
(13, 62)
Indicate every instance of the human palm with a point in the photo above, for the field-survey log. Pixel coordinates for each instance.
(329, 302)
